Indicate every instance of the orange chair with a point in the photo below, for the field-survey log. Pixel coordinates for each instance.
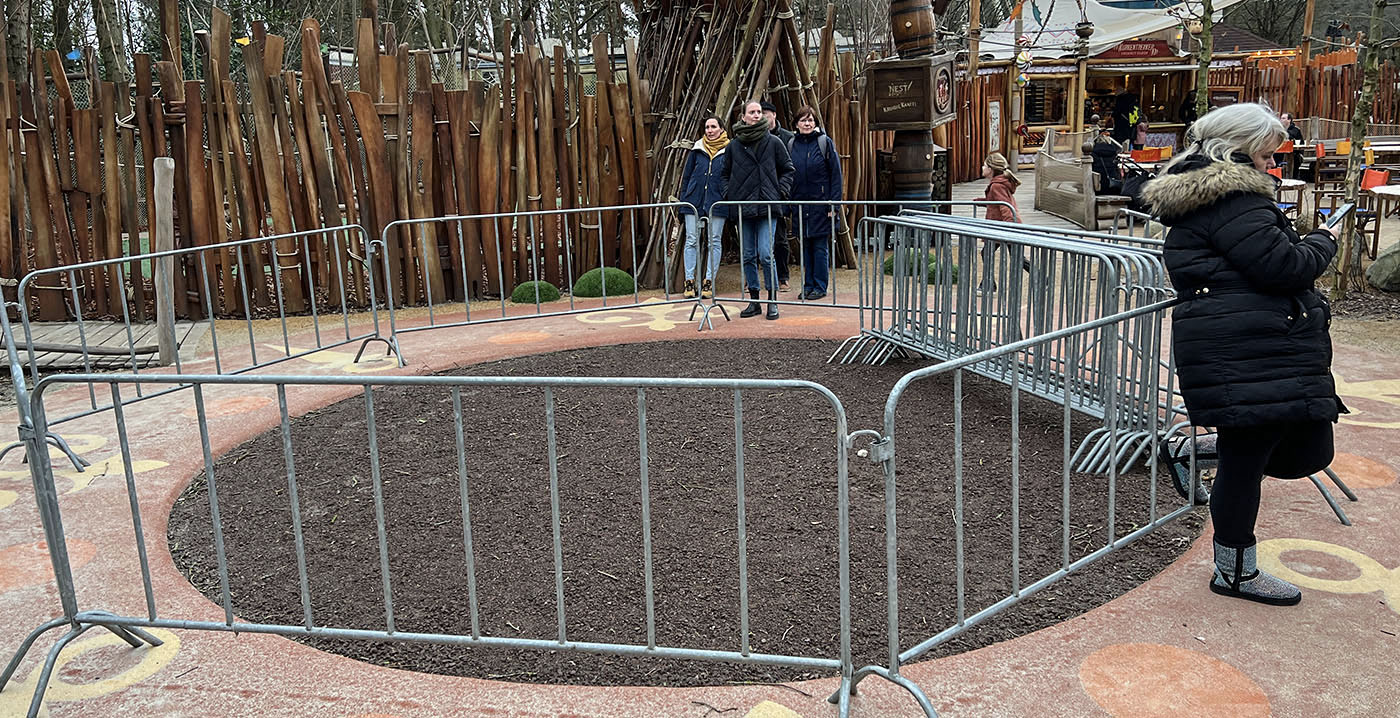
(1277, 172)
(1321, 149)
(1286, 148)
(1343, 147)
(1370, 179)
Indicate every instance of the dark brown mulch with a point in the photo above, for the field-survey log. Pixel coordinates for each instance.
(790, 492)
(1371, 303)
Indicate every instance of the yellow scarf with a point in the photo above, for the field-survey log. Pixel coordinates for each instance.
(713, 148)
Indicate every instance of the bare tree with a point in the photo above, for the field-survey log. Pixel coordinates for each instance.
(111, 40)
(1368, 57)
(18, 26)
(1280, 21)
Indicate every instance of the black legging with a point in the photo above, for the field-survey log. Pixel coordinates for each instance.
(1247, 455)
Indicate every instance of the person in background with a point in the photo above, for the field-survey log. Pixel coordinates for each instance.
(782, 252)
(757, 169)
(1250, 333)
(1125, 114)
(700, 188)
(1295, 135)
(1140, 136)
(816, 176)
(1187, 112)
(1104, 152)
(1001, 187)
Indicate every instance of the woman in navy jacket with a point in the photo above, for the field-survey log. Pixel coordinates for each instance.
(700, 188)
(816, 176)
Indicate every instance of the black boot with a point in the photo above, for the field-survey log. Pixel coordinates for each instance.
(753, 309)
(772, 305)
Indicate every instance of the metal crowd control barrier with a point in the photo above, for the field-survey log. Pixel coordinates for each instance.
(237, 300)
(925, 309)
(777, 211)
(1129, 220)
(506, 257)
(885, 449)
(79, 619)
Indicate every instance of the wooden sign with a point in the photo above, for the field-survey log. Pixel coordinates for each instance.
(913, 94)
(1138, 50)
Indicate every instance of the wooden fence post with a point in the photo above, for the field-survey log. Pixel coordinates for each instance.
(164, 197)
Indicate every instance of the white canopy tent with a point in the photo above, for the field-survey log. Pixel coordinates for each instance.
(1053, 35)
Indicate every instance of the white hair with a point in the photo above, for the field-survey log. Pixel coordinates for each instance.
(1246, 127)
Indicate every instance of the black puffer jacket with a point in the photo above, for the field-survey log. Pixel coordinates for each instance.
(758, 172)
(1250, 335)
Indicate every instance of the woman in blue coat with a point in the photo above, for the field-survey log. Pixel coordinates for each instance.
(700, 188)
(816, 176)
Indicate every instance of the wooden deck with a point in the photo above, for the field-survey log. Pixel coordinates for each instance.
(108, 344)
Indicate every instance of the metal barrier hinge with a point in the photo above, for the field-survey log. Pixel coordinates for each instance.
(881, 451)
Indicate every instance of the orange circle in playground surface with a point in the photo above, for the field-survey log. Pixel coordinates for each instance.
(1149, 679)
(1360, 472)
(520, 338)
(27, 564)
(231, 406)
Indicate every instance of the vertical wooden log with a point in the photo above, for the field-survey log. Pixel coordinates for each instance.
(111, 199)
(380, 184)
(548, 175)
(420, 183)
(50, 297)
(489, 184)
(265, 136)
(627, 159)
(363, 205)
(9, 269)
(445, 191)
(527, 174)
(62, 110)
(460, 106)
(131, 221)
(187, 179)
(163, 197)
(367, 58)
(344, 183)
(608, 154)
(402, 189)
(640, 141)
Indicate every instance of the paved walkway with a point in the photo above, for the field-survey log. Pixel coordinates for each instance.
(1168, 647)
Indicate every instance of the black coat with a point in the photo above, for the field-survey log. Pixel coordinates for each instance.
(816, 176)
(701, 180)
(758, 172)
(1250, 335)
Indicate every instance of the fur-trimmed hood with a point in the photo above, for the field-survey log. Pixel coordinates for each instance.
(1195, 186)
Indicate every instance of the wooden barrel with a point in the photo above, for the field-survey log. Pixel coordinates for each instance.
(913, 27)
(912, 169)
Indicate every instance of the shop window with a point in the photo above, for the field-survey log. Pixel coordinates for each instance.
(1046, 101)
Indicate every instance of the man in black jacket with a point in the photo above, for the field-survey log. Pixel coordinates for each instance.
(759, 170)
(782, 255)
(1250, 334)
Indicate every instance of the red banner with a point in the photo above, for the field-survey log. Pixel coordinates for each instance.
(1138, 49)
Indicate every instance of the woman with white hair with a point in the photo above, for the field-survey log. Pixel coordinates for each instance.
(1250, 335)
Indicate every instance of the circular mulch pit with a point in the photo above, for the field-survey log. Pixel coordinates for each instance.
(790, 490)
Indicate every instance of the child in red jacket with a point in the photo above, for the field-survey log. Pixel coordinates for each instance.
(1001, 189)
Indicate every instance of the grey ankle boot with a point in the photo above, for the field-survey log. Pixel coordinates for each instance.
(1237, 576)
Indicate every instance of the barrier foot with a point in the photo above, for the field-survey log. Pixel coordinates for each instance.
(78, 462)
(832, 359)
(1351, 496)
(24, 648)
(705, 320)
(848, 689)
(1336, 509)
(42, 684)
(391, 347)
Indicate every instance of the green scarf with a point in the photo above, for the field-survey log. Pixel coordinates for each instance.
(749, 134)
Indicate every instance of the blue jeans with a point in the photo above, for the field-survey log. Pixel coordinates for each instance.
(692, 244)
(756, 238)
(816, 261)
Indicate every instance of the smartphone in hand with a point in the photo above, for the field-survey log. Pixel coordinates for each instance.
(1339, 216)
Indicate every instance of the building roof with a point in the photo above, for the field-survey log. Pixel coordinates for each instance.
(1228, 38)
(1111, 26)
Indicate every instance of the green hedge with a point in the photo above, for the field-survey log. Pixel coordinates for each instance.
(526, 293)
(933, 273)
(591, 283)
